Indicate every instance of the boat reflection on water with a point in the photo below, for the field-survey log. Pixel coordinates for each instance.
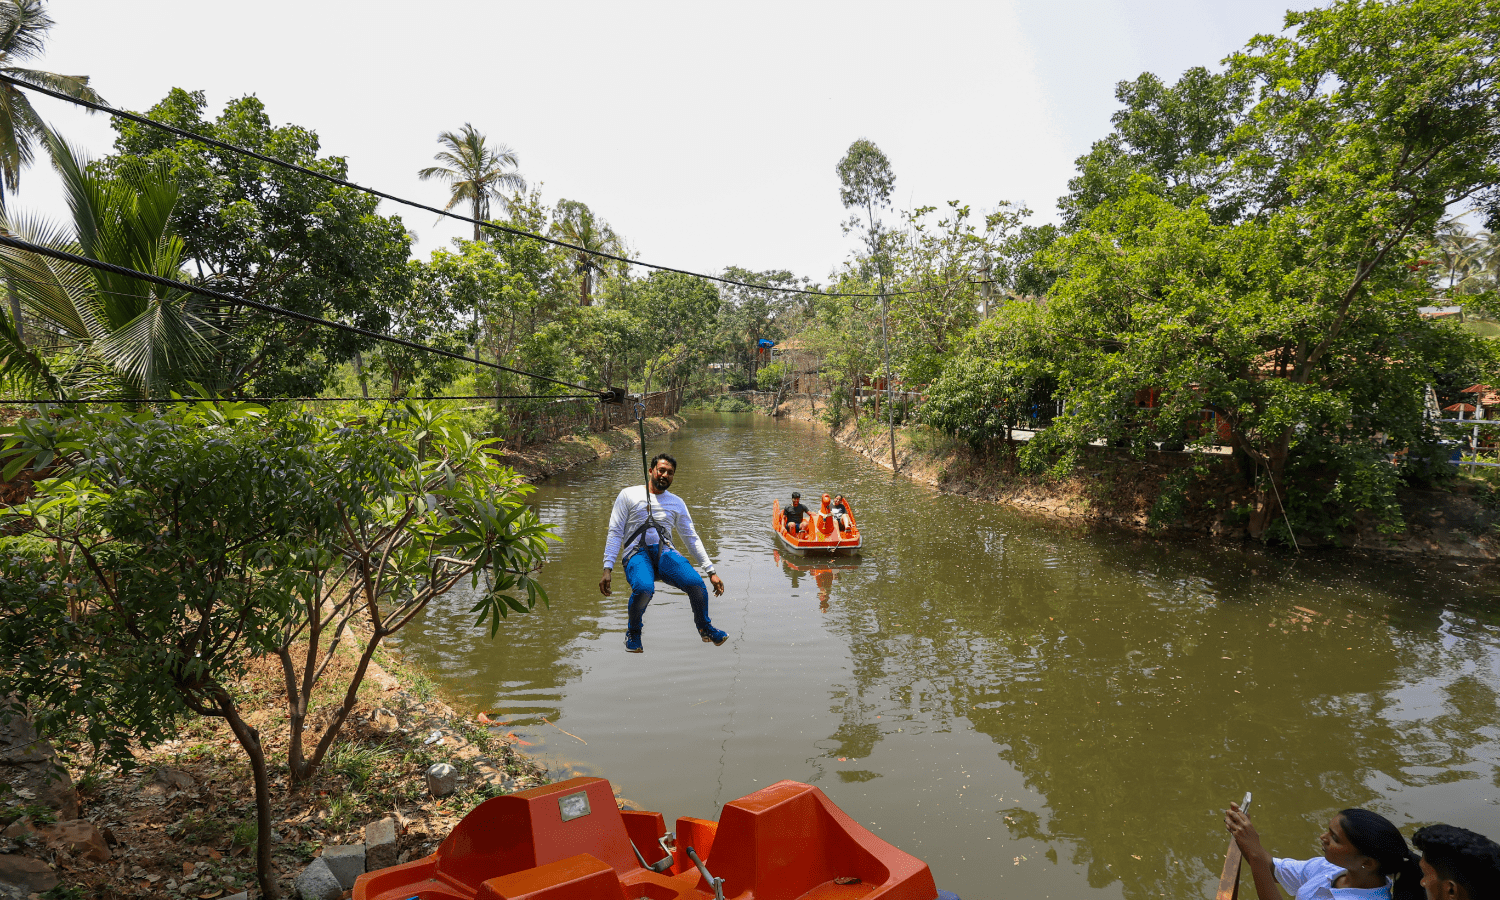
(824, 570)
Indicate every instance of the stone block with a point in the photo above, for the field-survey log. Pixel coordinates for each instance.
(79, 837)
(317, 882)
(442, 779)
(30, 875)
(346, 862)
(383, 721)
(380, 845)
(242, 895)
(175, 779)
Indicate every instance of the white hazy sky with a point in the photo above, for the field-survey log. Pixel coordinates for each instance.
(705, 133)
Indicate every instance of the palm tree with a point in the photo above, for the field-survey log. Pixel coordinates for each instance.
(576, 224)
(23, 30)
(474, 171)
(1467, 260)
(114, 333)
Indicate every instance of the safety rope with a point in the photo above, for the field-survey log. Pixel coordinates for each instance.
(640, 424)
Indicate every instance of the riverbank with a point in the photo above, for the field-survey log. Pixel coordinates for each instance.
(538, 461)
(1118, 490)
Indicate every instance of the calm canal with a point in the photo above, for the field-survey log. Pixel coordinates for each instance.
(1034, 710)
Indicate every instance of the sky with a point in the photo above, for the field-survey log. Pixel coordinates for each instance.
(707, 134)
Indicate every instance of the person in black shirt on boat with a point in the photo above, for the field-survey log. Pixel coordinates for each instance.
(795, 513)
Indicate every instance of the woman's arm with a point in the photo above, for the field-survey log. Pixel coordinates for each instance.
(1261, 865)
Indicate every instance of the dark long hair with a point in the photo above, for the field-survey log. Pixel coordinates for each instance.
(1374, 836)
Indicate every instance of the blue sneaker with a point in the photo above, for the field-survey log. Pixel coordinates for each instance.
(633, 642)
(712, 635)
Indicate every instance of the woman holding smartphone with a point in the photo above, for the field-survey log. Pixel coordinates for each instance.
(1364, 858)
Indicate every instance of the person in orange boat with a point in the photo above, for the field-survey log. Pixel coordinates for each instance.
(841, 512)
(795, 514)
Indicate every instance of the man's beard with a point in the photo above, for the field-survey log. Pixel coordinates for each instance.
(661, 484)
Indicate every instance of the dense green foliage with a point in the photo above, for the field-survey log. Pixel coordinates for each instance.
(1244, 255)
(124, 336)
(166, 550)
(263, 232)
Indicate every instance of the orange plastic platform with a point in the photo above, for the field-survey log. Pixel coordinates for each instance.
(568, 841)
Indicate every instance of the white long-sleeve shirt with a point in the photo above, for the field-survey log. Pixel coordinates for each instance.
(1312, 879)
(666, 508)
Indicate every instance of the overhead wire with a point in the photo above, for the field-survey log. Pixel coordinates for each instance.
(444, 213)
(42, 250)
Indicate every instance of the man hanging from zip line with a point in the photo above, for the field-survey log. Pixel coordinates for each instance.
(641, 526)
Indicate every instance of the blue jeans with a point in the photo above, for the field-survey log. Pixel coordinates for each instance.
(671, 567)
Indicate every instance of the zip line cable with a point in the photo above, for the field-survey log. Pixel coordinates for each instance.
(65, 256)
(443, 213)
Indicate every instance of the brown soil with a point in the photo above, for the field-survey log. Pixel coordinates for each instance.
(182, 823)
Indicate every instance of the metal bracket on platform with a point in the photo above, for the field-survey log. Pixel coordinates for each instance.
(716, 883)
(661, 865)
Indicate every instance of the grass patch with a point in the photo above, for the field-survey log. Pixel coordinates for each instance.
(199, 827)
(356, 762)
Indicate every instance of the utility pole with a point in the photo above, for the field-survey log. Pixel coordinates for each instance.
(885, 334)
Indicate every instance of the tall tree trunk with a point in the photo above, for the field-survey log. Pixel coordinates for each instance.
(359, 373)
(1269, 495)
(15, 308)
(249, 739)
(10, 288)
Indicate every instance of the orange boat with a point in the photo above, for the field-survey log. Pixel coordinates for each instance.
(569, 841)
(821, 534)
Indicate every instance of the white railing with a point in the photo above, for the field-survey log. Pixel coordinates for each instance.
(1476, 454)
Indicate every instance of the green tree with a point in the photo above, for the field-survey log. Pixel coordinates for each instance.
(266, 233)
(474, 171)
(576, 224)
(748, 314)
(168, 550)
(1160, 302)
(115, 333)
(1000, 377)
(1292, 200)
(941, 269)
(23, 31)
(677, 314)
(866, 182)
(1182, 135)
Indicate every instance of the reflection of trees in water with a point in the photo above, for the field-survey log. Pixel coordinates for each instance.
(536, 647)
(1140, 702)
(536, 654)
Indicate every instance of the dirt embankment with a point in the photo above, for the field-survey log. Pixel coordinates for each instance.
(1115, 489)
(538, 461)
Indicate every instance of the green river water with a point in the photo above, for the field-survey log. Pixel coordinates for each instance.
(1033, 709)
